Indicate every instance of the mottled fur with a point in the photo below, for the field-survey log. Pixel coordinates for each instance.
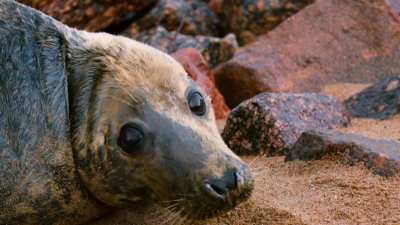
(64, 96)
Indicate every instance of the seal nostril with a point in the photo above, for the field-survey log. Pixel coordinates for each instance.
(231, 182)
(239, 181)
(217, 189)
(235, 175)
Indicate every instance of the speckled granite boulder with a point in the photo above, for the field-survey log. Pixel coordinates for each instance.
(270, 123)
(198, 19)
(214, 50)
(380, 155)
(379, 101)
(91, 15)
(249, 18)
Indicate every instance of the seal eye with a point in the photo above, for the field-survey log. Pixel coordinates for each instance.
(197, 104)
(130, 139)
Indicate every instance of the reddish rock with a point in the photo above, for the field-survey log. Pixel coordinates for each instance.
(195, 15)
(270, 123)
(91, 15)
(395, 4)
(197, 68)
(214, 50)
(379, 101)
(216, 6)
(249, 18)
(380, 155)
(329, 41)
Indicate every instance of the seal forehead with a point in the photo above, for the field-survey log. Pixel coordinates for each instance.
(134, 64)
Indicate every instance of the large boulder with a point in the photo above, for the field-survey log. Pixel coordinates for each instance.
(197, 68)
(91, 15)
(214, 50)
(380, 155)
(329, 41)
(195, 15)
(249, 18)
(270, 123)
(379, 101)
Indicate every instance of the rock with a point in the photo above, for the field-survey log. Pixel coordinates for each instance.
(249, 18)
(270, 123)
(384, 156)
(197, 17)
(216, 6)
(395, 4)
(327, 42)
(91, 15)
(197, 68)
(379, 101)
(214, 50)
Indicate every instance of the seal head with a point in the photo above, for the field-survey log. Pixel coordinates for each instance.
(143, 131)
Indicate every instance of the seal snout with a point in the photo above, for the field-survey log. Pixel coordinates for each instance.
(232, 181)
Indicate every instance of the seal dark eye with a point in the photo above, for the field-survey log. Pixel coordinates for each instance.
(197, 104)
(130, 139)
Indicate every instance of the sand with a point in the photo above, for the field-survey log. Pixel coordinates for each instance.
(318, 192)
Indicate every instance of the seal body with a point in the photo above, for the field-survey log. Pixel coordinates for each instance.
(38, 177)
(90, 122)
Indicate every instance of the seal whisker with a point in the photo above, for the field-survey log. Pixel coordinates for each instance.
(186, 195)
(174, 215)
(193, 217)
(123, 101)
(182, 220)
(134, 99)
(255, 159)
(178, 217)
(259, 168)
(259, 172)
(177, 200)
(169, 211)
(172, 206)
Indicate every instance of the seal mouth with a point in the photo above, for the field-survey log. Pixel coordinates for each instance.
(216, 197)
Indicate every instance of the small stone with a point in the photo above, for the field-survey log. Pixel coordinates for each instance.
(378, 101)
(197, 17)
(90, 15)
(197, 68)
(380, 155)
(90, 12)
(270, 123)
(214, 50)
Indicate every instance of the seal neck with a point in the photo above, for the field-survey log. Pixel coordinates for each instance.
(85, 71)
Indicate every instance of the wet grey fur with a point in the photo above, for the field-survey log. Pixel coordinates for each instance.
(38, 177)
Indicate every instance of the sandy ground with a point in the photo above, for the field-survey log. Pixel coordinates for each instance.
(318, 192)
